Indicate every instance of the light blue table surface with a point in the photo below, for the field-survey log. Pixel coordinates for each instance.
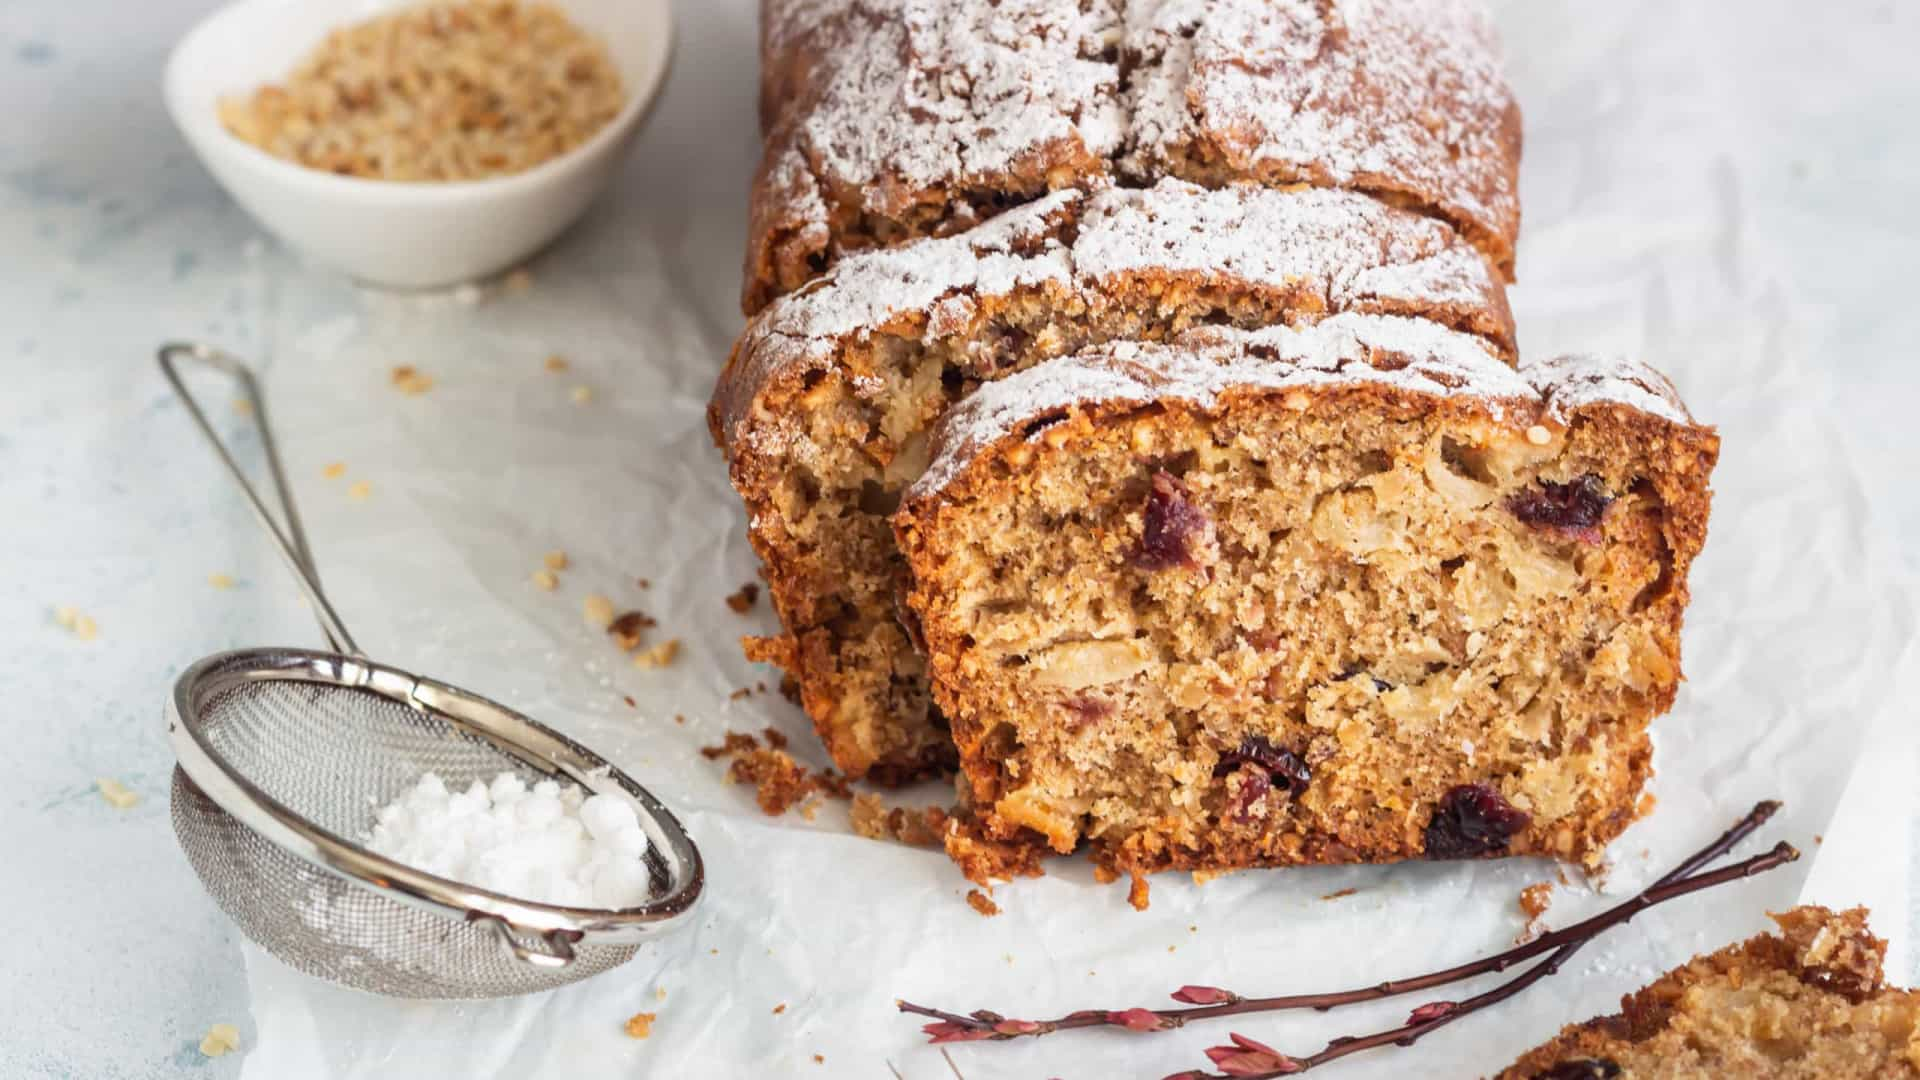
(113, 238)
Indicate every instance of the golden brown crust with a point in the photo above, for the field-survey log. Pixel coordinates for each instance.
(1019, 445)
(1806, 1002)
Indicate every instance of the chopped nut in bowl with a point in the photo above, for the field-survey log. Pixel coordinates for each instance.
(417, 145)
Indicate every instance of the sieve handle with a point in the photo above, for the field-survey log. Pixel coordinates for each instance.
(292, 540)
(560, 941)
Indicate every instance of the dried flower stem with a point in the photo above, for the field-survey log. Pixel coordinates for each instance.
(1209, 1002)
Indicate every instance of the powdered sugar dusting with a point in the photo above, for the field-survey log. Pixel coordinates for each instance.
(923, 93)
(1580, 380)
(1350, 250)
(931, 114)
(1382, 95)
(1412, 355)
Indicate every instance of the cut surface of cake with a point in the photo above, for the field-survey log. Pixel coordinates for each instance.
(824, 406)
(889, 120)
(1354, 591)
(1806, 1003)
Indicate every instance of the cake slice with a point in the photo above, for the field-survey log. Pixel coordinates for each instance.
(890, 120)
(1355, 591)
(1808, 1003)
(822, 409)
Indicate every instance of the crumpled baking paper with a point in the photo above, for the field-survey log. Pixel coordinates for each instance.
(1642, 237)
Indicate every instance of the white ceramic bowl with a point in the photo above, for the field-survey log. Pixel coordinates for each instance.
(403, 235)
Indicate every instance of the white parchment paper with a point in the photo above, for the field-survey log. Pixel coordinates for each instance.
(1639, 239)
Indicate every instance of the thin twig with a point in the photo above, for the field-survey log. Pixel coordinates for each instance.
(1210, 1002)
(1248, 1055)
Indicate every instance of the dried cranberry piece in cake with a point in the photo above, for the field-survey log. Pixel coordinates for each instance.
(1284, 767)
(1575, 508)
(1176, 527)
(1472, 820)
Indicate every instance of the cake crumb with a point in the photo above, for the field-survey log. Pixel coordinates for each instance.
(220, 1039)
(118, 795)
(220, 581)
(557, 363)
(546, 580)
(640, 1025)
(742, 600)
(659, 993)
(1534, 901)
(627, 628)
(872, 818)
(819, 1059)
(359, 490)
(410, 381)
(333, 470)
(659, 656)
(76, 622)
(556, 560)
(780, 1008)
(597, 610)
(1105, 875)
(780, 783)
(1137, 892)
(680, 718)
(628, 698)
(582, 395)
(242, 407)
(1339, 893)
(982, 903)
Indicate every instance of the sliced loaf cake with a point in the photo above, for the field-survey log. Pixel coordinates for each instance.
(824, 405)
(1353, 591)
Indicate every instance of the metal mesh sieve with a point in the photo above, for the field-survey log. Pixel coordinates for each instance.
(284, 756)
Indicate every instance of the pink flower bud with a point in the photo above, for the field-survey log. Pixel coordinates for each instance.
(1205, 995)
(1432, 1010)
(1136, 1019)
(1016, 1027)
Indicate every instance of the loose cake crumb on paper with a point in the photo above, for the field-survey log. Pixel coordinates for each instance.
(659, 993)
(1534, 901)
(742, 600)
(220, 1039)
(1340, 893)
(76, 622)
(582, 395)
(982, 903)
(333, 470)
(220, 581)
(640, 1025)
(360, 489)
(597, 610)
(780, 783)
(545, 579)
(518, 280)
(556, 560)
(780, 1008)
(628, 628)
(118, 795)
(1138, 892)
(242, 407)
(872, 818)
(557, 363)
(819, 1059)
(660, 655)
(410, 380)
